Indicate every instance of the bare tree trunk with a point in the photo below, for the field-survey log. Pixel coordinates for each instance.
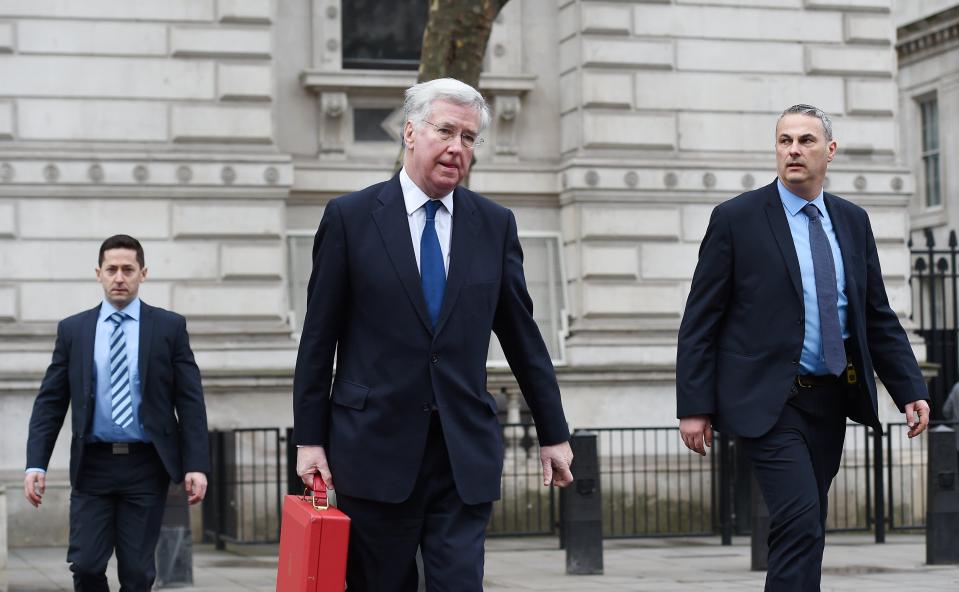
(454, 42)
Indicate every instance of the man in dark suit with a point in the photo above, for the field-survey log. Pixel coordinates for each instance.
(787, 320)
(409, 278)
(139, 421)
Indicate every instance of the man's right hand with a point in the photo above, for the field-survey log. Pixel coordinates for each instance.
(311, 460)
(34, 484)
(697, 433)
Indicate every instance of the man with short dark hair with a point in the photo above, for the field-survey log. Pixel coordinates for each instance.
(127, 370)
(410, 277)
(786, 321)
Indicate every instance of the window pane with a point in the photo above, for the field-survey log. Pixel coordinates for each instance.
(383, 35)
(544, 279)
(930, 124)
(929, 111)
(368, 125)
(931, 173)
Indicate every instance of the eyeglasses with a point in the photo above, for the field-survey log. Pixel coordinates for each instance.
(468, 139)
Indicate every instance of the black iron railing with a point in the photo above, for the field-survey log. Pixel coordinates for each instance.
(651, 485)
(245, 493)
(906, 482)
(525, 507)
(850, 498)
(935, 310)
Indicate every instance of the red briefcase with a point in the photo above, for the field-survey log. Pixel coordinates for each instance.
(313, 542)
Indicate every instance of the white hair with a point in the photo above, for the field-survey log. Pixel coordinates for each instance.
(420, 97)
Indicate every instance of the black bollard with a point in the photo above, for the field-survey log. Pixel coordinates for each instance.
(759, 517)
(942, 507)
(174, 554)
(582, 509)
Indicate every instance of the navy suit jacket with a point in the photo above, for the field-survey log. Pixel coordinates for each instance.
(365, 303)
(171, 409)
(743, 329)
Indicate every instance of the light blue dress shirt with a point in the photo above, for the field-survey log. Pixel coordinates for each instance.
(104, 429)
(812, 361)
(415, 200)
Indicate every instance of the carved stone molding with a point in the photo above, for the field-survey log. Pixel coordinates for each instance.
(333, 132)
(104, 173)
(928, 36)
(338, 90)
(506, 109)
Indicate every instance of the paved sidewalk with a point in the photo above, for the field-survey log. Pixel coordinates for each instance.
(852, 562)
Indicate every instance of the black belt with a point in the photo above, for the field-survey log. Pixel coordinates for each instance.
(817, 381)
(121, 447)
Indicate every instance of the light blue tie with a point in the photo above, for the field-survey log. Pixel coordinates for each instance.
(824, 268)
(120, 397)
(432, 269)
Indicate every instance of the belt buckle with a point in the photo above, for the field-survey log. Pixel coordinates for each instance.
(799, 381)
(121, 448)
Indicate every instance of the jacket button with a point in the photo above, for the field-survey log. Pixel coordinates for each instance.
(426, 408)
(434, 358)
(795, 362)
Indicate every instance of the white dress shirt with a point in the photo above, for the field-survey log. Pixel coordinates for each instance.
(416, 215)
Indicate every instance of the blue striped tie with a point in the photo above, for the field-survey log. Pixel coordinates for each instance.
(120, 396)
(827, 293)
(432, 269)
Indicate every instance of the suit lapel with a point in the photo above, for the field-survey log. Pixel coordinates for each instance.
(146, 339)
(466, 226)
(88, 335)
(784, 238)
(391, 220)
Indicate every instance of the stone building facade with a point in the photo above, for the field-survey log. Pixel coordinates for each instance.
(927, 44)
(216, 130)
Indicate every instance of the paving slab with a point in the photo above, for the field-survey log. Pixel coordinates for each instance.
(852, 562)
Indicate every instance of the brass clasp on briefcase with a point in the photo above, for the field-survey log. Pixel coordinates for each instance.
(318, 486)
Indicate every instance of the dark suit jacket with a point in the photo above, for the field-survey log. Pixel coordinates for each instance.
(171, 410)
(742, 333)
(365, 302)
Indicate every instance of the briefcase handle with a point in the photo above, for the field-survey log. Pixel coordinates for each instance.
(319, 498)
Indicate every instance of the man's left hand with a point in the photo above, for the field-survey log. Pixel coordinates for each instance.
(556, 460)
(917, 417)
(195, 486)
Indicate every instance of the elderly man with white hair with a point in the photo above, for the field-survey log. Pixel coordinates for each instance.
(410, 277)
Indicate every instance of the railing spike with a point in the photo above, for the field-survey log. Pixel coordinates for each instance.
(953, 243)
(930, 239)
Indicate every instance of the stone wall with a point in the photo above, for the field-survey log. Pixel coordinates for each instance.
(669, 108)
(214, 130)
(154, 119)
(928, 48)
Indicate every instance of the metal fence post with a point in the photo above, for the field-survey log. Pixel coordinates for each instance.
(725, 484)
(942, 508)
(294, 485)
(583, 509)
(219, 492)
(879, 488)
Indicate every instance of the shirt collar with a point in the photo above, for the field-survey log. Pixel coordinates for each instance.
(415, 197)
(794, 204)
(132, 310)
